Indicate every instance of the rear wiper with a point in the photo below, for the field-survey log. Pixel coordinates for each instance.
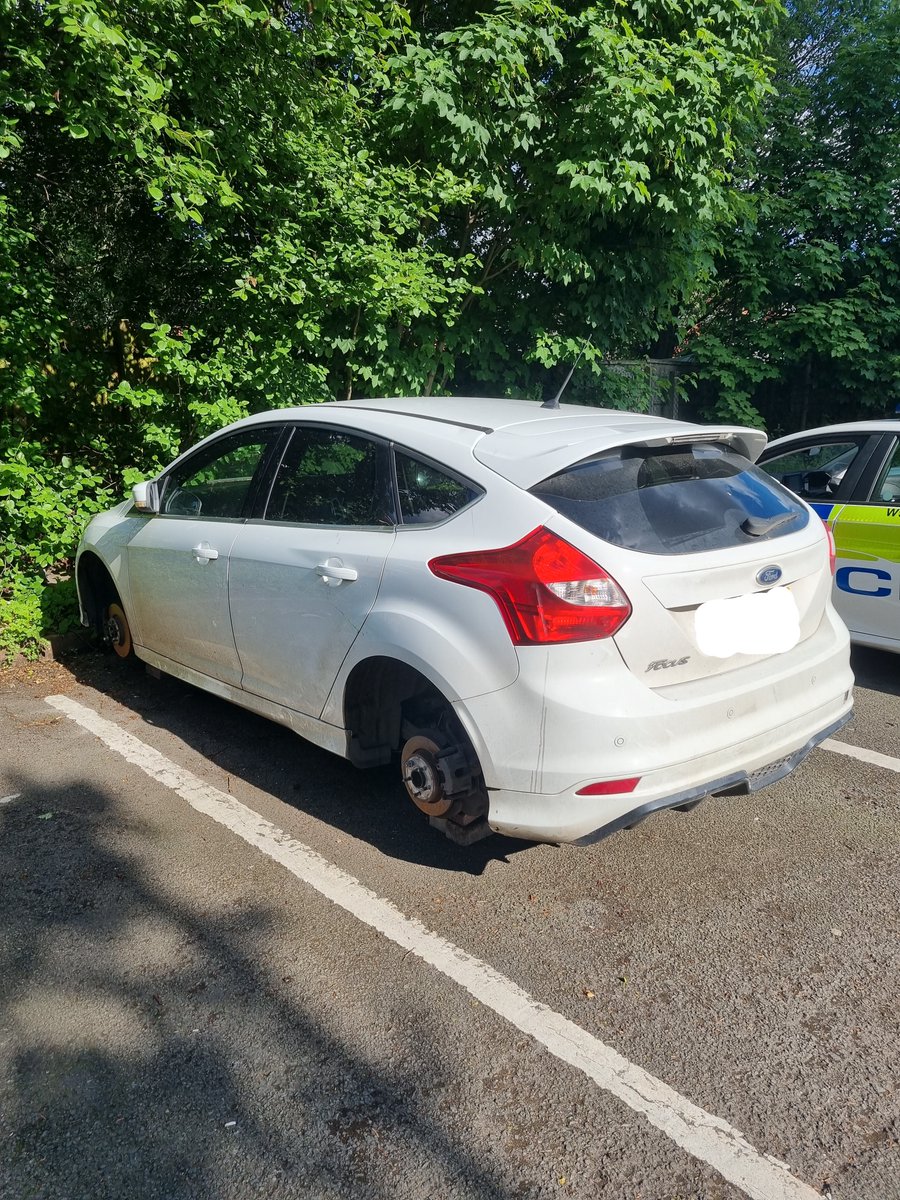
(760, 526)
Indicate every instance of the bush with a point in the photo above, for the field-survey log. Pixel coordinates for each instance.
(44, 506)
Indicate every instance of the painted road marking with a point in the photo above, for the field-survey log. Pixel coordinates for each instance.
(869, 756)
(9, 799)
(701, 1134)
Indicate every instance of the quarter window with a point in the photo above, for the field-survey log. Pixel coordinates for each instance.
(427, 494)
(331, 478)
(216, 482)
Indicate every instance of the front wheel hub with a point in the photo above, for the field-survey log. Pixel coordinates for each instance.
(117, 630)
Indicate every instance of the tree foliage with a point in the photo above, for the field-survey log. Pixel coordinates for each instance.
(803, 327)
(211, 208)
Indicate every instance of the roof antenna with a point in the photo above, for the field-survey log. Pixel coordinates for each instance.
(554, 403)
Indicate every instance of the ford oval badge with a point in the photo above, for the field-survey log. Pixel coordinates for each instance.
(768, 575)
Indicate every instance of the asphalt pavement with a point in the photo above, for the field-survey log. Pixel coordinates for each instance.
(186, 1012)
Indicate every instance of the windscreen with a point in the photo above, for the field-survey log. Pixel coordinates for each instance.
(678, 499)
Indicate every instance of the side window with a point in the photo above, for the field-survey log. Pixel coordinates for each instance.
(332, 478)
(216, 482)
(813, 472)
(887, 489)
(428, 495)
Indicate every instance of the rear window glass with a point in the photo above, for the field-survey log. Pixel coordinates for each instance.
(673, 499)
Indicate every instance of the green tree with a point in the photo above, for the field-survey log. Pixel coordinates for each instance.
(208, 209)
(598, 140)
(803, 326)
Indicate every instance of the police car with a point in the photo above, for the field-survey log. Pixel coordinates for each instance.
(850, 474)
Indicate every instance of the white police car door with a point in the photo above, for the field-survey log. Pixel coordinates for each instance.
(867, 538)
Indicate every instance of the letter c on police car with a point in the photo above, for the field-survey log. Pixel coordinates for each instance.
(842, 579)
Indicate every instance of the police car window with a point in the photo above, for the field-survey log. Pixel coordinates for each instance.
(216, 481)
(814, 472)
(428, 495)
(673, 499)
(887, 489)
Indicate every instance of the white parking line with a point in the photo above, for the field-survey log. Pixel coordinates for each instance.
(869, 756)
(706, 1137)
(9, 799)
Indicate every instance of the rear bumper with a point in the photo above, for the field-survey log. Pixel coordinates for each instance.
(742, 783)
(571, 720)
(568, 817)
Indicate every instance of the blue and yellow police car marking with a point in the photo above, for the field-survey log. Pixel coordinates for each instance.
(868, 533)
(824, 510)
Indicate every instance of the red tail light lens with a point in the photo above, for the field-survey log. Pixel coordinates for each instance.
(832, 552)
(547, 590)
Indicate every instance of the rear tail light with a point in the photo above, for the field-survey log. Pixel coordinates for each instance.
(547, 590)
(832, 552)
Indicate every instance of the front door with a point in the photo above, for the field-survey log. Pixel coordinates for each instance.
(178, 561)
(867, 539)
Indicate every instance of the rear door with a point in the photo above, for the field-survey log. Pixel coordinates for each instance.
(722, 565)
(304, 575)
(867, 539)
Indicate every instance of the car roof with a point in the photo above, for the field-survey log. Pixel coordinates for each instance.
(519, 439)
(887, 425)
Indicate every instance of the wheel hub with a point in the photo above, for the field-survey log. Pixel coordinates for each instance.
(117, 630)
(114, 631)
(422, 777)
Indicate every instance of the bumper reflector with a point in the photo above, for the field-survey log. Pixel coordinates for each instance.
(609, 787)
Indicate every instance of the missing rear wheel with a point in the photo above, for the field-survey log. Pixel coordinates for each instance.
(420, 770)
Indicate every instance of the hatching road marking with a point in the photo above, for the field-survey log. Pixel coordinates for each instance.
(707, 1137)
(860, 752)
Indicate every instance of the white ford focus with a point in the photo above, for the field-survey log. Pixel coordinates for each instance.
(557, 620)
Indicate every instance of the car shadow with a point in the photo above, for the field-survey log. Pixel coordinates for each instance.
(152, 1048)
(368, 805)
(876, 669)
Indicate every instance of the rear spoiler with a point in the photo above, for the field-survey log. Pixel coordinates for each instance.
(516, 454)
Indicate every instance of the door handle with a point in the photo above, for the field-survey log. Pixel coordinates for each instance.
(204, 552)
(333, 572)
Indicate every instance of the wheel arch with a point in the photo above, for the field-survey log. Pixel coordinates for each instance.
(96, 588)
(378, 694)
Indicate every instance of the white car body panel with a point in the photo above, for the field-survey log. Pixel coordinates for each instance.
(174, 588)
(295, 628)
(259, 626)
(320, 733)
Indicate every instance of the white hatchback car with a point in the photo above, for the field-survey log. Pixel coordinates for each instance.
(558, 621)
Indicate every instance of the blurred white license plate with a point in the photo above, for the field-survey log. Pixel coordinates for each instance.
(761, 623)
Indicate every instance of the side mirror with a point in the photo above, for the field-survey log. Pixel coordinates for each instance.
(146, 496)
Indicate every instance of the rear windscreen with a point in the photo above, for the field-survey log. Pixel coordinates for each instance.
(673, 499)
